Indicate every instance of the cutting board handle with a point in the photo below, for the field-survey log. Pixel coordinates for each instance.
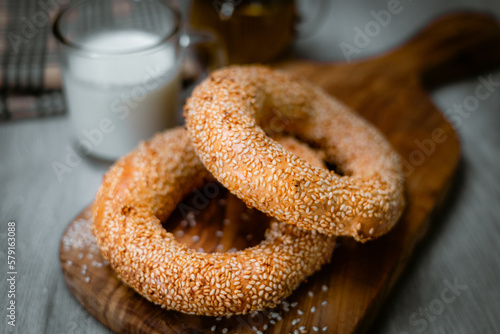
(453, 46)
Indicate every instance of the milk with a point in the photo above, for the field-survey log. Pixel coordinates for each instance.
(119, 95)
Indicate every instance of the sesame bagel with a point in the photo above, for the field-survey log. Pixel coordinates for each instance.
(142, 189)
(228, 116)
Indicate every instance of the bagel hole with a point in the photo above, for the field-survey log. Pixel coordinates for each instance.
(330, 165)
(334, 168)
(212, 220)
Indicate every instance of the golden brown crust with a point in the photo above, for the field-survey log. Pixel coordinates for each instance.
(143, 188)
(228, 116)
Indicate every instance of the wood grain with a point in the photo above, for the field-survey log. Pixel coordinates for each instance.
(390, 91)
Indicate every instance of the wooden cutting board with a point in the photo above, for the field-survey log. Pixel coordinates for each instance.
(346, 295)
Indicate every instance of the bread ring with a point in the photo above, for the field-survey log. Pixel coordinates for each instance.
(227, 116)
(142, 189)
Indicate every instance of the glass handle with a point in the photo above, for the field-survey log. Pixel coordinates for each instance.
(307, 30)
(210, 53)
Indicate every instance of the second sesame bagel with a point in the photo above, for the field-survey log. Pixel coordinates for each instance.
(228, 118)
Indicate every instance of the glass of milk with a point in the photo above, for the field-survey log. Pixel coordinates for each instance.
(120, 63)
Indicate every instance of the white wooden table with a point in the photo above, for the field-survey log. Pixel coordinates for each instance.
(462, 247)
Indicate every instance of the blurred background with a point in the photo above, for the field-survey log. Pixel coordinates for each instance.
(35, 130)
